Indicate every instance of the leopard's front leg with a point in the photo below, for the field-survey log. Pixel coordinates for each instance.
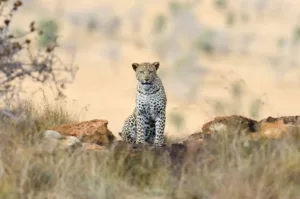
(160, 123)
(141, 130)
(128, 132)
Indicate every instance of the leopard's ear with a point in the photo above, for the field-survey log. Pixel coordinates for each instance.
(134, 66)
(156, 64)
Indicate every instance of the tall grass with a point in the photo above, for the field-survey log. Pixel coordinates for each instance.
(226, 166)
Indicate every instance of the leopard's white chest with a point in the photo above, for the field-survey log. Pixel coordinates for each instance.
(150, 105)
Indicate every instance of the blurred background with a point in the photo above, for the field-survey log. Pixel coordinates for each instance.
(218, 57)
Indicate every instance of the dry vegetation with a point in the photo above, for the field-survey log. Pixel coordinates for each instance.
(226, 166)
(20, 59)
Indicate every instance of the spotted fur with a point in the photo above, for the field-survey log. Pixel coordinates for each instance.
(147, 122)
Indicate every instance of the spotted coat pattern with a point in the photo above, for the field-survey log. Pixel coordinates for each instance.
(146, 124)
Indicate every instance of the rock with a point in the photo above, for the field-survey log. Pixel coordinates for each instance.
(197, 137)
(271, 127)
(48, 145)
(92, 147)
(51, 134)
(287, 120)
(53, 141)
(234, 123)
(92, 131)
(194, 142)
(70, 142)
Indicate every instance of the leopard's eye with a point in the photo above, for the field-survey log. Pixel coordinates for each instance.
(142, 72)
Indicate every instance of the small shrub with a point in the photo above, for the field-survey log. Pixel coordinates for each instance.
(280, 43)
(160, 23)
(177, 120)
(245, 17)
(220, 3)
(236, 89)
(50, 30)
(296, 34)
(92, 24)
(230, 19)
(205, 42)
(175, 7)
(112, 26)
(219, 107)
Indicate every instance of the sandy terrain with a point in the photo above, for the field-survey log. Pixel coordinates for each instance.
(107, 88)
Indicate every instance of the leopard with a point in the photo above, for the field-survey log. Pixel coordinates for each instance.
(146, 125)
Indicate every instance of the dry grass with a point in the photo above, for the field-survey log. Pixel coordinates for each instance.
(226, 166)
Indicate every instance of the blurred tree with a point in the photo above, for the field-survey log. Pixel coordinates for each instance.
(19, 60)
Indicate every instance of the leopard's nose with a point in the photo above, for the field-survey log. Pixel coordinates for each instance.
(147, 79)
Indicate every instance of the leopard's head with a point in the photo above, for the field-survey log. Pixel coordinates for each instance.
(146, 73)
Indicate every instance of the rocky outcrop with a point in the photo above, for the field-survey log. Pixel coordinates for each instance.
(195, 141)
(53, 141)
(92, 131)
(90, 135)
(94, 135)
(287, 120)
(269, 127)
(234, 123)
